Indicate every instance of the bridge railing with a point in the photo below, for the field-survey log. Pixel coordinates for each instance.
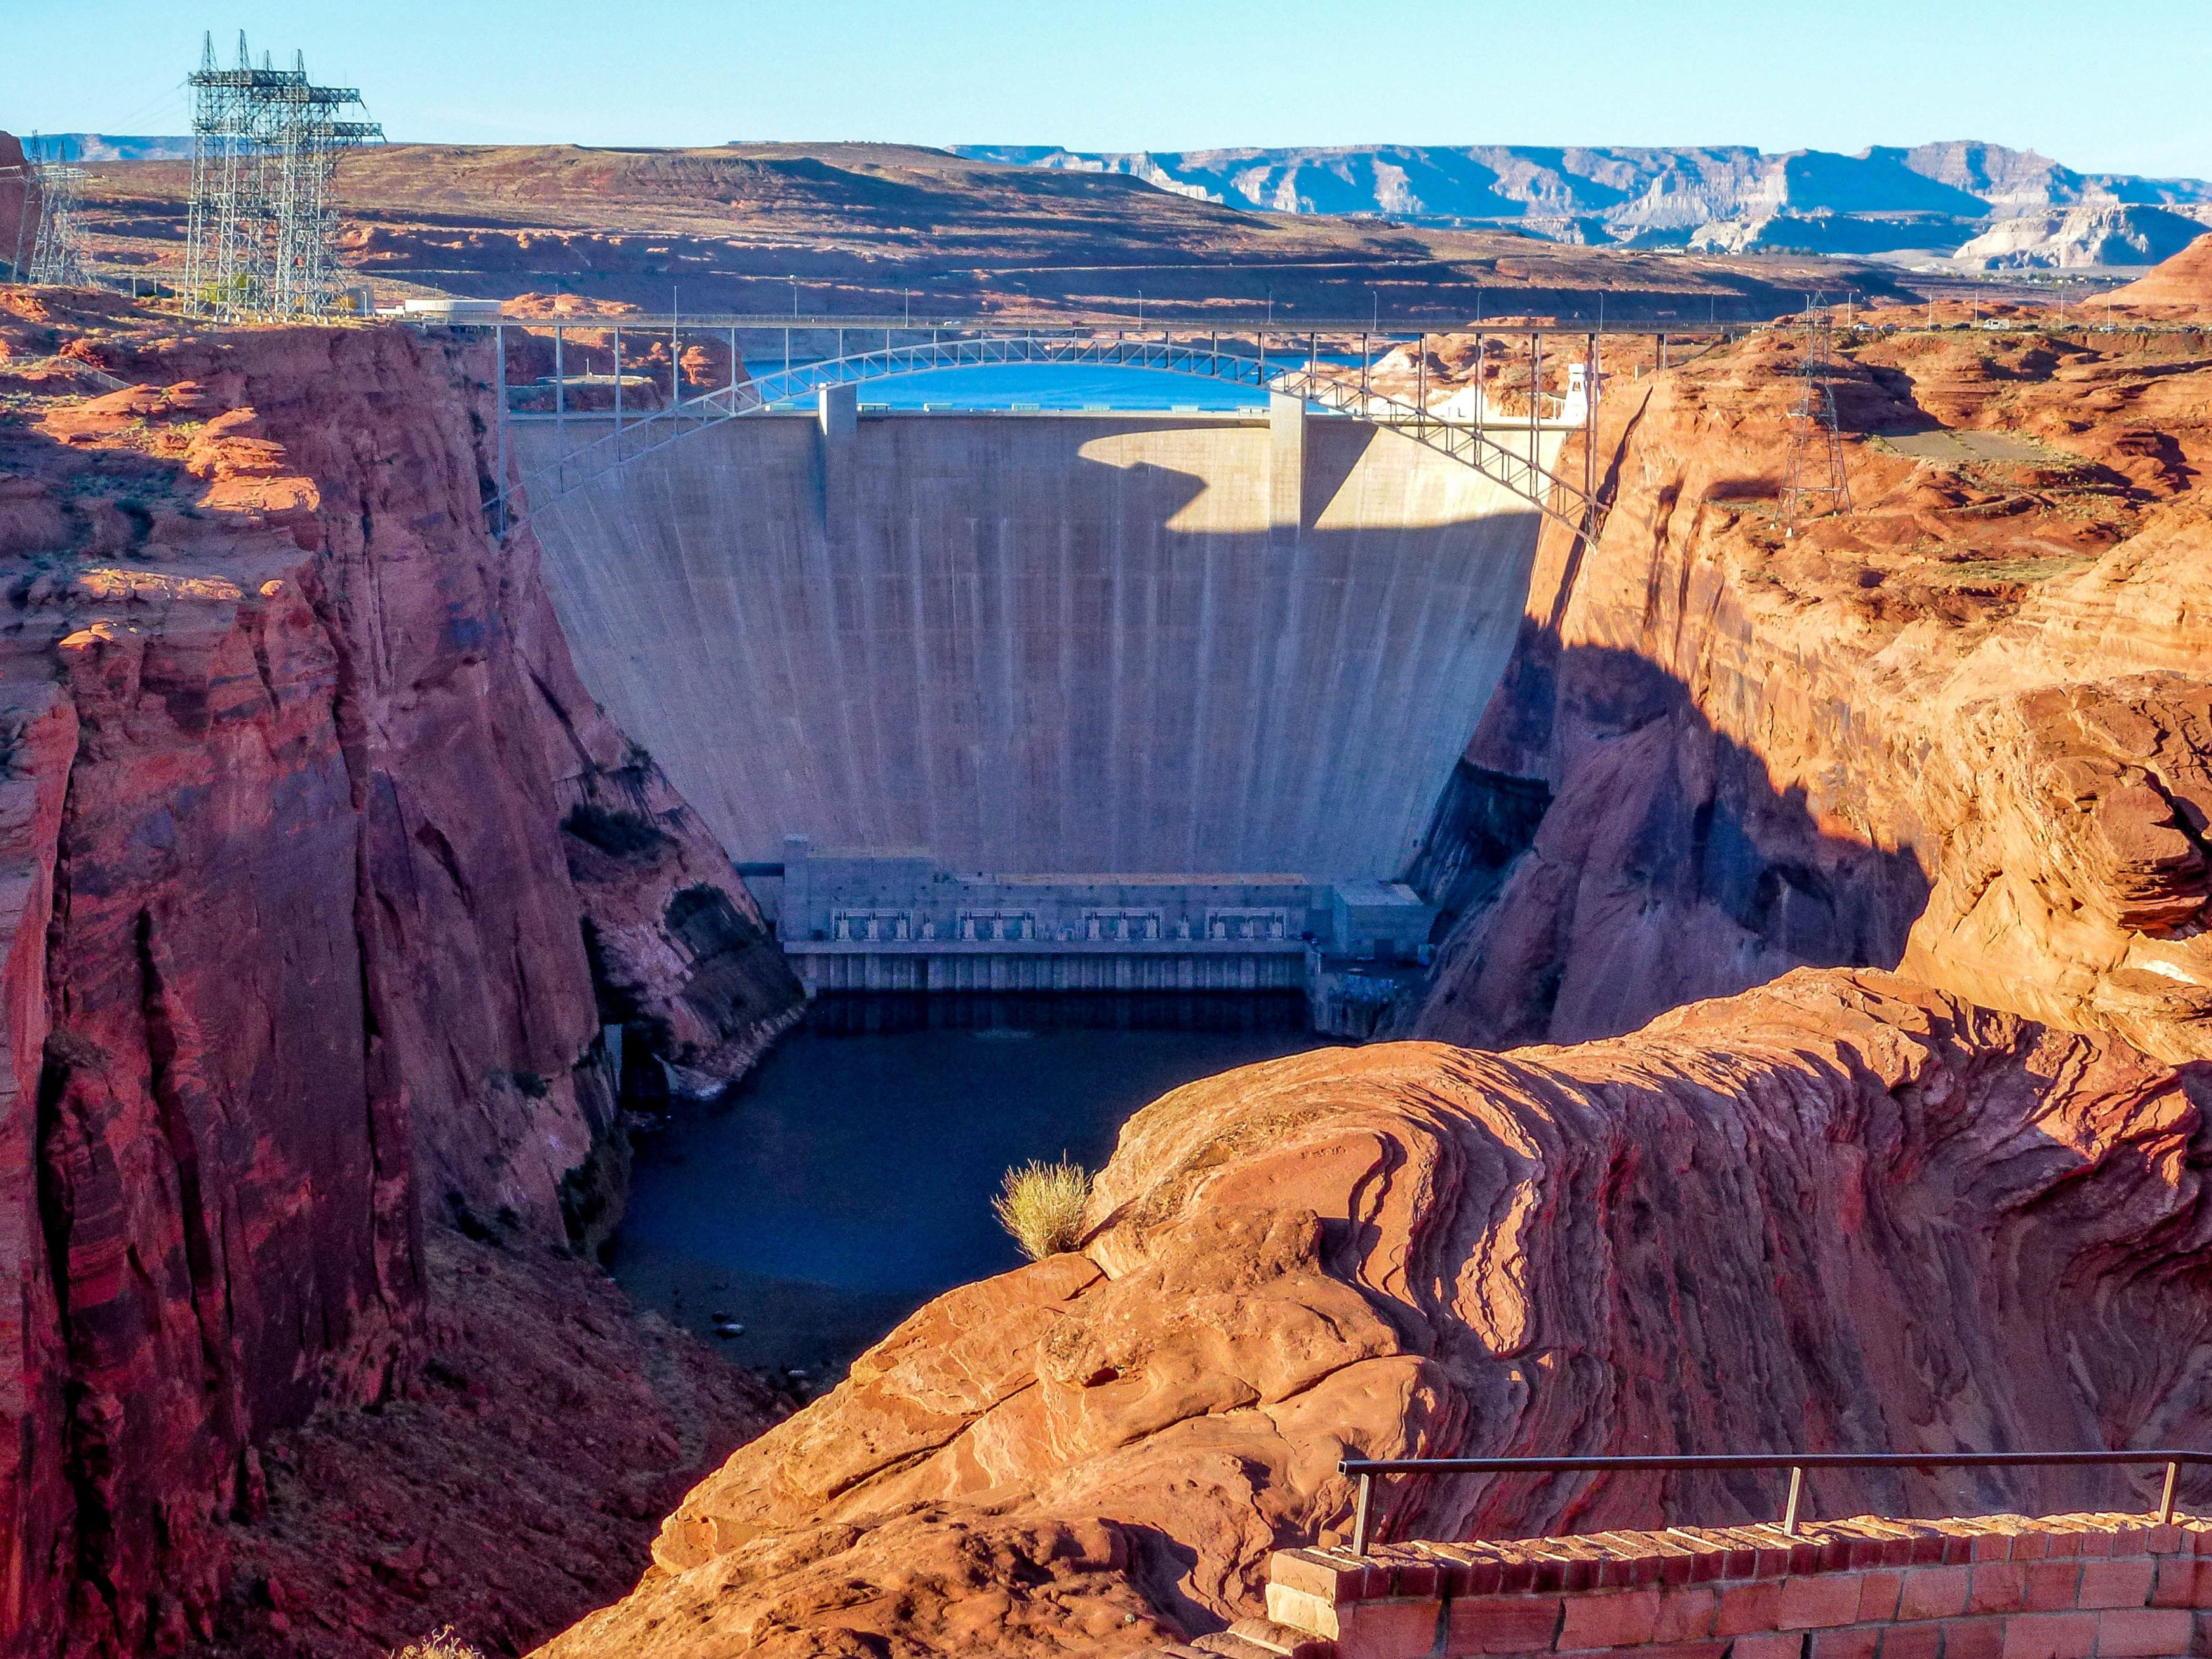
(1368, 1470)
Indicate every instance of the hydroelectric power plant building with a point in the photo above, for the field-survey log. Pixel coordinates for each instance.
(914, 667)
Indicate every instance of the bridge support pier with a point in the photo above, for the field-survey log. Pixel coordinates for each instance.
(1286, 463)
(839, 410)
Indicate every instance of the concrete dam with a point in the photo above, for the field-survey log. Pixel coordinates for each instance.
(1134, 700)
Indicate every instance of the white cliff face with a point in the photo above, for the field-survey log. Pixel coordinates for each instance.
(1725, 197)
(2087, 236)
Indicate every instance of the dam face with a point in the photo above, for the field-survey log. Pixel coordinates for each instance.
(1142, 644)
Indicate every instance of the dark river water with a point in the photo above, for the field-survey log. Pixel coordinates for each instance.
(849, 1178)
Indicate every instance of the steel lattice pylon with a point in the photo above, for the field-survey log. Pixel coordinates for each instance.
(50, 236)
(261, 236)
(58, 253)
(1815, 480)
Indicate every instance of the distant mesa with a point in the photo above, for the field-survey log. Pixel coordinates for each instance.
(1982, 204)
(108, 147)
(1978, 204)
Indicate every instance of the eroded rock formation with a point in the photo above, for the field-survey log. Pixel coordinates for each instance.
(312, 843)
(2181, 287)
(1840, 1211)
(1961, 728)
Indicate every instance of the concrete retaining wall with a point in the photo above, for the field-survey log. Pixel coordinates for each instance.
(1998, 1587)
(1046, 643)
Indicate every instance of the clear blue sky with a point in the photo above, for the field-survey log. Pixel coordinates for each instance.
(1176, 73)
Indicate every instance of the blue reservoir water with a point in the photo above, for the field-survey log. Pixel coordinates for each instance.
(848, 1179)
(1053, 386)
(1049, 385)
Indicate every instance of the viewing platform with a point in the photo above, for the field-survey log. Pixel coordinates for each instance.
(2082, 1586)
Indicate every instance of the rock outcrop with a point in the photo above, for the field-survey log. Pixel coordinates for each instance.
(516, 1482)
(2182, 286)
(1841, 1212)
(2095, 235)
(313, 843)
(1959, 728)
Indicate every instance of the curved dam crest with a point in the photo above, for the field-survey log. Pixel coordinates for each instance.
(1047, 642)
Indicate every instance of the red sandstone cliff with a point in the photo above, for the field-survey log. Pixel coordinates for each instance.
(312, 845)
(19, 205)
(1841, 1212)
(1962, 728)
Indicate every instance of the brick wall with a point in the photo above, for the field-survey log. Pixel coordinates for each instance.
(1994, 1586)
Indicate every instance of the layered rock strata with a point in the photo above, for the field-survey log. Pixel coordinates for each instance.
(1841, 1212)
(312, 845)
(2181, 287)
(1961, 728)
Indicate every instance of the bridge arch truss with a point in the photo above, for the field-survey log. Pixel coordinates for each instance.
(1238, 361)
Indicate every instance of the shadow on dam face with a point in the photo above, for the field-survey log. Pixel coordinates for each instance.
(1048, 643)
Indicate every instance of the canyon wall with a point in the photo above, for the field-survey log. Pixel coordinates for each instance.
(1961, 729)
(324, 883)
(1840, 1212)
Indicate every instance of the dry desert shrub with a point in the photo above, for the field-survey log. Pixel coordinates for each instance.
(1041, 1205)
(438, 1644)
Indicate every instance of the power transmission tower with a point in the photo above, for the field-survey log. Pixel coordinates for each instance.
(58, 251)
(26, 179)
(46, 223)
(261, 238)
(1815, 480)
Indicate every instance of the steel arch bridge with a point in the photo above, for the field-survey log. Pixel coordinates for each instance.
(1576, 506)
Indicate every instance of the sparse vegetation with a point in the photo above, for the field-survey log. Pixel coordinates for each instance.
(441, 1644)
(1041, 1205)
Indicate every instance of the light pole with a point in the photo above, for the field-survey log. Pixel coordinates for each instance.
(793, 280)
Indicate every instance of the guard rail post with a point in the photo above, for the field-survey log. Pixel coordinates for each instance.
(1366, 1470)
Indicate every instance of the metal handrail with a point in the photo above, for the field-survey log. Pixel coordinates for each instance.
(1366, 1468)
(1398, 331)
